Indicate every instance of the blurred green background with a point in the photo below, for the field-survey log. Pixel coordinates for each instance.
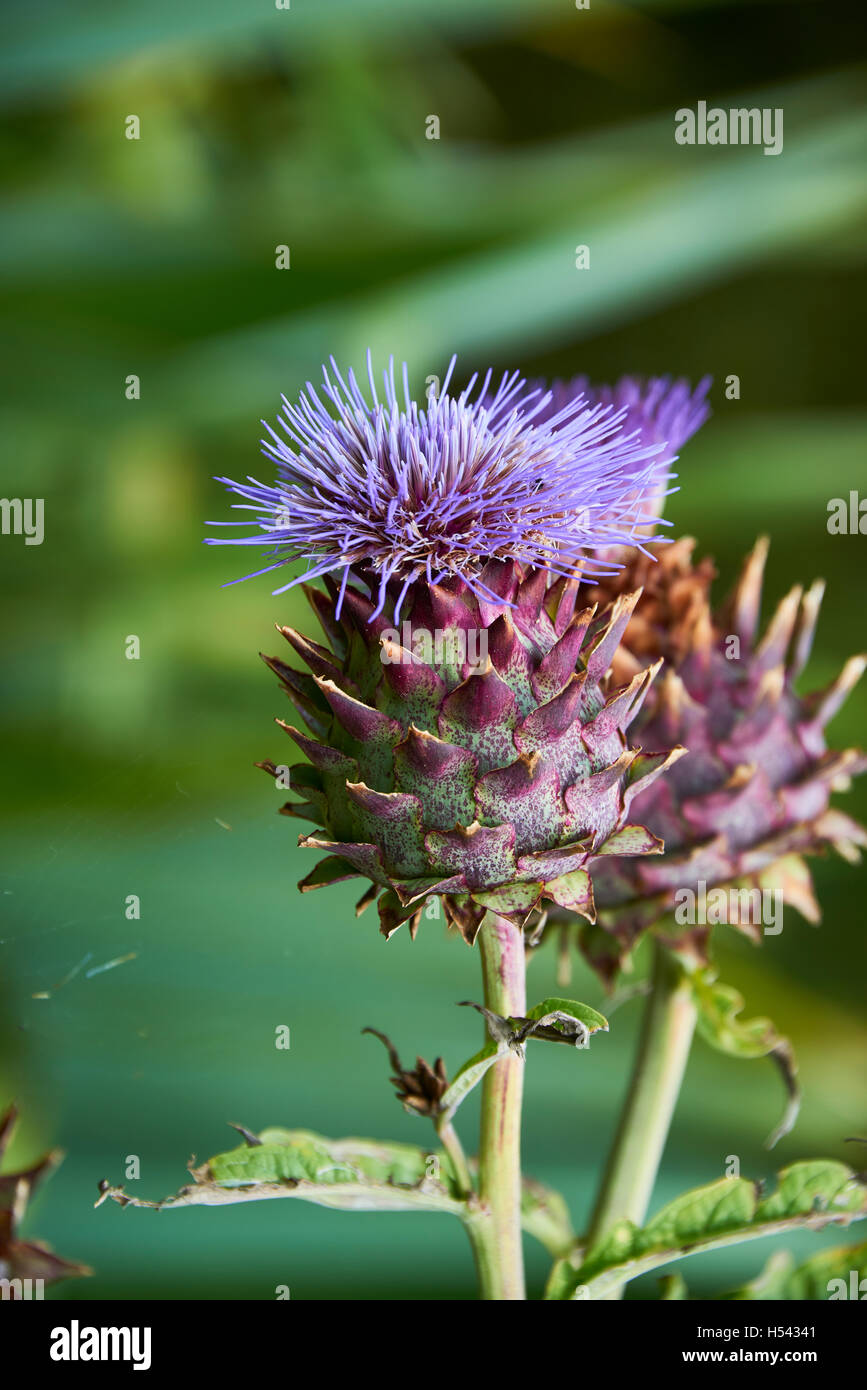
(156, 257)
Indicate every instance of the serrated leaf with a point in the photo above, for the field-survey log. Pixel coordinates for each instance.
(720, 1024)
(830, 1275)
(348, 1174)
(809, 1195)
(816, 1185)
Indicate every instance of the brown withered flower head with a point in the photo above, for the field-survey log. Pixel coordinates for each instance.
(421, 1089)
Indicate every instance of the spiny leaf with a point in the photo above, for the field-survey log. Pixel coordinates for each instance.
(349, 1174)
(719, 1023)
(809, 1195)
(830, 1275)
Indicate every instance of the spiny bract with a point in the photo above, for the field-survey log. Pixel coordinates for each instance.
(753, 792)
(470, 753)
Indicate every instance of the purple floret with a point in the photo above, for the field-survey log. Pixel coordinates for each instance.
(399, 491)
(663, 410)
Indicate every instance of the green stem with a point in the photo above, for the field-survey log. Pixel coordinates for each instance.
(663, 1049)
(453, 1147)
(496, 1228)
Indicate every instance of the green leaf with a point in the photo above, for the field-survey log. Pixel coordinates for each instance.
(554, 1020)
(719, 1023)
(830, 1275)
(545, 1216)
(348, 1174)
(815, 1185)
(280, 1156)
(559, 1010)
(469, 1076)
(672, 1289)
(809, 1195)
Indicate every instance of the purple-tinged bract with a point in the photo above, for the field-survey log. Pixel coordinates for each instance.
(493, 782)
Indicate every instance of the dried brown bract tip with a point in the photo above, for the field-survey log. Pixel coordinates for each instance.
(421, 1089)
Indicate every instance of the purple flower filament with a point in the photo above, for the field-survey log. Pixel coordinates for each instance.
(408, 492)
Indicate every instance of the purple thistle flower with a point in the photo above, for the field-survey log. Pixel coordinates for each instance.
(403, 492)
(662, 410)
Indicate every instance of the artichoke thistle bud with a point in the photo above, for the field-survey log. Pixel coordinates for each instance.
(492, 785)
(753, 794)
(461, 737)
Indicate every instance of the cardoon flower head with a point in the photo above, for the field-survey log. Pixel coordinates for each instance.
(405, 492)
(665, 411)
(462, 738)
(753, 793)
(657, 410)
